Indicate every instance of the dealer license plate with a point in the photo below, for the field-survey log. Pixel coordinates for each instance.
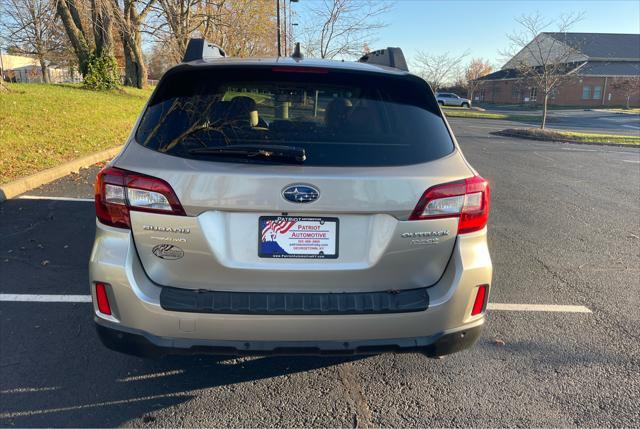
(298, 237)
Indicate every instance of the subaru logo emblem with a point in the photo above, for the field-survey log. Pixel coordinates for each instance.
(300, 193)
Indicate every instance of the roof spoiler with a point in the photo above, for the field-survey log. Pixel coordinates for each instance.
(390, 57)
(200, 49)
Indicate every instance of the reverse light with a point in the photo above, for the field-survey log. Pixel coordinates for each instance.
(102, 299)
(467, 199)
(147, 199)
(118, 192)
(481, 299)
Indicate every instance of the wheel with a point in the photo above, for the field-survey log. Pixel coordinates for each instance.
(441, 103)
(466, 105)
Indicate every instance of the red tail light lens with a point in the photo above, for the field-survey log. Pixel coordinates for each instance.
(481, 298)
(101, 298)
(117, 192)
(467, 199)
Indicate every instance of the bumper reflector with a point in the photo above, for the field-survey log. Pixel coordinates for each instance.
(103, 301)
(481, 298)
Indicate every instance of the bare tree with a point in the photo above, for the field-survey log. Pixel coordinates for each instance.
(177, 22)
(89, 27)
(476, 69)
(102, 25)
(438, 69)
(129, 16)
(627, 85)
(30, 26)
(71, 16)
(342, 27)
(544, 60)
(157, 61)
(242, 27)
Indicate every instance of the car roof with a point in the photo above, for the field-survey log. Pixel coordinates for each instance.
(295, 62)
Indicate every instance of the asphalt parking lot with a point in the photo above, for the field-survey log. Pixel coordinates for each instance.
(564, 230)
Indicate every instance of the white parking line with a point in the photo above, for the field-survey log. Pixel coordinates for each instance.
(578, 150)
(27, 390)
(28, 413)
(538, 307)
(493, 306)
(44, 197)
(150, 376)
(13, 297)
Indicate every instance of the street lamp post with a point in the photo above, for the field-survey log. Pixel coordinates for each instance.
(278, 25)
(279, 29)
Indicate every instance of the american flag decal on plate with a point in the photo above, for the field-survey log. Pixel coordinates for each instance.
(298, 237)
(275, 227)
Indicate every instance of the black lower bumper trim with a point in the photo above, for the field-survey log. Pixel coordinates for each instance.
(221, 302)
(143, 345)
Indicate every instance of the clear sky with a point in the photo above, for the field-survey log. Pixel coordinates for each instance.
(438, 26)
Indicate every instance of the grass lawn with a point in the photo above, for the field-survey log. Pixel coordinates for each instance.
(569, 136)
(42, 126)
(258, 98)
(467, 113)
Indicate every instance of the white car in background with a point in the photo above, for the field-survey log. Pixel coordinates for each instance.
(451, 99)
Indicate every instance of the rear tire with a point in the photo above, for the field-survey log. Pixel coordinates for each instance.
(441, 103)
(466, 105)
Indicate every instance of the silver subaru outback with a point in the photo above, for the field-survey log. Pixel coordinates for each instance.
(290, 206)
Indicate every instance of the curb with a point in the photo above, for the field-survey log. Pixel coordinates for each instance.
(22, 185)
(617, 112)
(542, 139)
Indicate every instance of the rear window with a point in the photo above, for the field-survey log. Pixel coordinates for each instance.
(336, 118)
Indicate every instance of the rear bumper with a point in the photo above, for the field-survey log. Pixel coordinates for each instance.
(139, 319)
(145, 345)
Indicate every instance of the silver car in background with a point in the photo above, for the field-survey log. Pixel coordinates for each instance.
(290, 206)
(451, 99)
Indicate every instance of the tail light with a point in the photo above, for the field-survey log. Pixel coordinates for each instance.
(481, 300)
(119, 191)
(467, 199)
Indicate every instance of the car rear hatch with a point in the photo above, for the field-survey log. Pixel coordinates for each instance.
(342, 220)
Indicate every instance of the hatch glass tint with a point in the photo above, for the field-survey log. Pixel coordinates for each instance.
(335, 118)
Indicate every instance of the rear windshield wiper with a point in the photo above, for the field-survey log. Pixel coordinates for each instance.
(286, 153)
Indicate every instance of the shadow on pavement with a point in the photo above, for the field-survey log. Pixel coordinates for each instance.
(94, 387)
(53, 369)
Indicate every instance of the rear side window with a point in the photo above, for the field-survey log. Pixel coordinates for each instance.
(337, 118)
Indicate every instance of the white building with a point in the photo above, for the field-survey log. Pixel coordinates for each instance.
(22, 69)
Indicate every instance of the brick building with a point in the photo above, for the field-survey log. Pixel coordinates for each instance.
(597, 63)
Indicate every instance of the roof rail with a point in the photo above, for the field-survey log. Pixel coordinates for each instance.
(200, 49)
(390, 57)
